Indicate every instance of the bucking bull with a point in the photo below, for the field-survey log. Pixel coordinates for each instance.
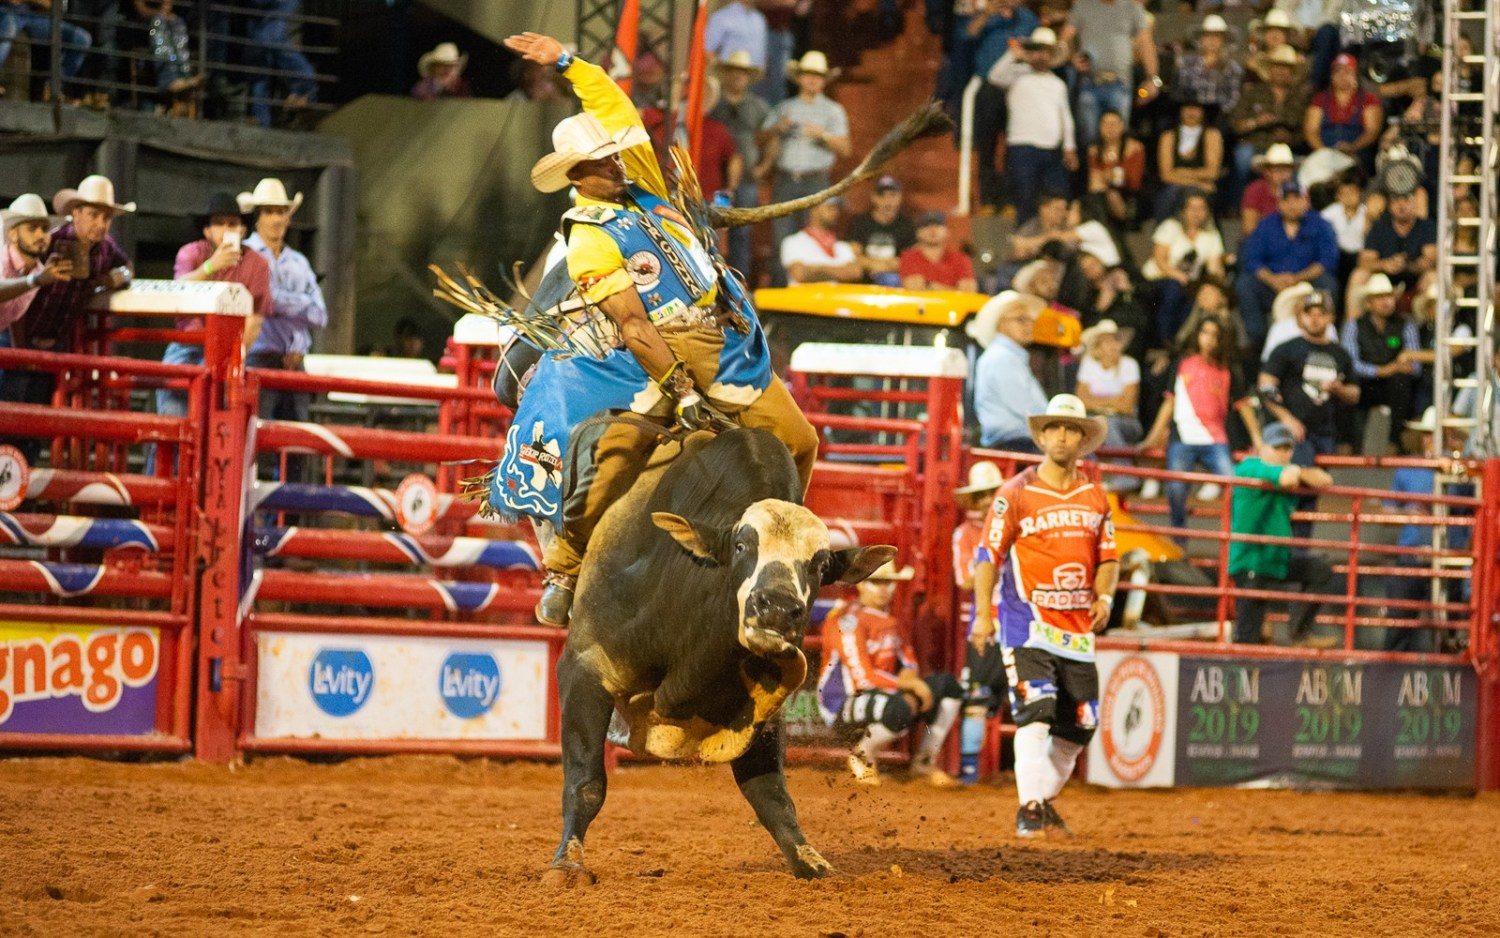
(689, 622)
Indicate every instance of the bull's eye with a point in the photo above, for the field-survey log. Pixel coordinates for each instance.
(739, 548)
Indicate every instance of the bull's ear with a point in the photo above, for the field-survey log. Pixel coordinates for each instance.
(855, 563)
(700, 541)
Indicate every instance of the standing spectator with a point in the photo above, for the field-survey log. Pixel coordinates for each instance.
(218, 255)
(1345, 117)
(743, 112)
(815, 254)
(275, 51)
(719, 166)
(25, 266)
(780, 18)
(1040, 149)
(802, 137)
(1268, 112)
(98, 264)
(1183, 250)
(993, 28)
(1399, 245)
(1303, 382)
(1261, 196)
(1287, 248)
(737, 27)
(1193, 420)
(1350, 219)
(23, 18)
(880, 235)
(1109, 383)
(1268, 512)
(1117, 168)
(1209, 75)
(1112, 35)
(1189, 157)
(442, 72)
(1005, 390)
(1381, 343)
(932, 263)
(1275, 31)
(297, 306)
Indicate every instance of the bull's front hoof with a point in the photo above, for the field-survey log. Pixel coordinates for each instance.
(809, 863)
(565, 874)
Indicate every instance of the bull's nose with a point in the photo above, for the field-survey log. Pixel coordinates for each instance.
(777, 607)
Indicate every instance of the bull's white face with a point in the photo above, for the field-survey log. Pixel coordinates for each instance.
(779, 552)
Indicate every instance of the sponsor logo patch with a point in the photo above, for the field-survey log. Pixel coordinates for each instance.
(341, 680)
(469, 684)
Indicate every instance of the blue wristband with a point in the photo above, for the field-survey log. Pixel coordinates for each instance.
(563, 61)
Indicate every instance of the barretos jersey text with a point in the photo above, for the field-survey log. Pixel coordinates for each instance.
(1047, 545)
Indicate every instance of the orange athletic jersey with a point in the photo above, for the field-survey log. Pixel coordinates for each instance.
(1046, 545)
(966, 539)
(863, 649)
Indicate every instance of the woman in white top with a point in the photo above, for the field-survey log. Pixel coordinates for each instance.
(1109, 384)
(1351, 219)
(1183, 249)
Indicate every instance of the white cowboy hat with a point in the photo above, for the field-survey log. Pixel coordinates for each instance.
(984, 325)
(739, 59)
(1277, 19)
(1097, 331)
(814, 63)
(1042, 38)
(1377, 284)
(445, 53)
(1213, 23)
(1282, 55)
(1289, 301)
(268, 193)
(94, 190)
(1068, 409)
(1277, 154)
(28, 207)
(575, 140)
(1093, 238)
(984, 476)
(1424, 304)
(1428, 423)
(888, 571)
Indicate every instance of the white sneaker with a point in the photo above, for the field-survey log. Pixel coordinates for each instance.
(864, 772)
(1151, 489)
(1209, 492)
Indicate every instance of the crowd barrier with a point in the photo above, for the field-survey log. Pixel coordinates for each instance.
(264, 596)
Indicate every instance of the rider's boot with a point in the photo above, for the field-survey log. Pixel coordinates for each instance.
(557, 599)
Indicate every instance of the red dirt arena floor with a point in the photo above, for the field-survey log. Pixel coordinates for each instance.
(417, 845)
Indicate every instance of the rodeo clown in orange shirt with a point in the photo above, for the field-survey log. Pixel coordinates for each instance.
(1050, 534)
(872, 688)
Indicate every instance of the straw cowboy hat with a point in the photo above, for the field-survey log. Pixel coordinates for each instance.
(94, 190)
(1098, 331)
(1041, 38)
(814, 63)
(1213, 23)
(984, 476)
(28, 207)
(1377, 284)
(739, 60)
(1281, 55)
(1428, 423)
(1289, 301)
(888, 572)
(984, 325)
(445, 53)
(269, 193)
(578, 139)
(1068, 409)
(1277, 19)
(1277, 154)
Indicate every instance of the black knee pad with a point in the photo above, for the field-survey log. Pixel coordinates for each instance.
(1034, 702)
(1075, 734)
(897, 714)
(944, 686)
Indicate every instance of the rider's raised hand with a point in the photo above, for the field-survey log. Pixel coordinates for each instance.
(534, 47)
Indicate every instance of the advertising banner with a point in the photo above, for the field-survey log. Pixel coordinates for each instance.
(393, 687)
(77, 679)
(1236, 721)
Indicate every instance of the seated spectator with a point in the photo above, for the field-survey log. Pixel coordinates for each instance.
(992, 28)
(1268, 112)
(1286, 315)
(1210, 75)
(32, 20)
(872, 687)
(1184, 249)
(442, 71)
(1053, 223)
(1270, 34)
(1107, 293)
(1201, 390)
(175, 72)
(1350, 219)
(409, 341)
(1399, 245)
(880, 235)
(1005, 390)
(932, 264)
(1117, 168)
(1189, 158)
(815, 254)
(1109, 383)
(218, 255)
(1276, 170)
(1040, 148)
(1345, 117)
(1285, 249)
(1268, 512)
(1381, 343)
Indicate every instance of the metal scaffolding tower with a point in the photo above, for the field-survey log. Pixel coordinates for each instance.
(599, 22)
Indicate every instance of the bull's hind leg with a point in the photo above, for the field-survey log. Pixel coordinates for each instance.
(761, 778)
(586, 709)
